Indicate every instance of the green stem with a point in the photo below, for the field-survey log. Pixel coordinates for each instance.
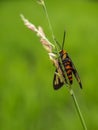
(50, 26)
(70, 89)
(77, 108)
(53, 37)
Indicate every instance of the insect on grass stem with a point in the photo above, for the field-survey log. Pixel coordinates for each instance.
(68, 86)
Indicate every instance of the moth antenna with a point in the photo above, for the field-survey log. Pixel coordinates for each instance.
(57, 43)
(63, 39)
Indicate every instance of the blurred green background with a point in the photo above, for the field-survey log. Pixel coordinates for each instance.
(27, 98)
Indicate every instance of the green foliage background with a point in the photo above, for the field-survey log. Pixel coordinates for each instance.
(27, 98)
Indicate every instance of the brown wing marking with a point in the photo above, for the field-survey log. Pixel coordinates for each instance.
(57, 81)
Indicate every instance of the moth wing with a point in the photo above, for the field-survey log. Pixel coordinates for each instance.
(75, 73)
(57, 81)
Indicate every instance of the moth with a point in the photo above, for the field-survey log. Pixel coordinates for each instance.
(69, 69)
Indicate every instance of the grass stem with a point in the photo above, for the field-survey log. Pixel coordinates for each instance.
(68, 86)
(77, 108)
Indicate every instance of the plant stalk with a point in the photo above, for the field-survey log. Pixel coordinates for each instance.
(68, 86)
(50, 26)
(77, 108)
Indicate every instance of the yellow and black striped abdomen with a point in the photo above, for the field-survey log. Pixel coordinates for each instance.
(67, 65)
(68, 69)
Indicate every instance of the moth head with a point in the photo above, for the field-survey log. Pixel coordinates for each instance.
(62, 52)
